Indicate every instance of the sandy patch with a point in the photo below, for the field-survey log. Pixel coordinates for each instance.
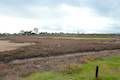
(6, 45)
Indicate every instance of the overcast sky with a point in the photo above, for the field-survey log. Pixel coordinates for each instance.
(83, 16)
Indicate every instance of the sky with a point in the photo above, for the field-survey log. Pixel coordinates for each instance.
(69, 16)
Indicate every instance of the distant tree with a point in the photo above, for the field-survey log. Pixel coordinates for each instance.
(36, 30)
(22, 32)
(28, 33)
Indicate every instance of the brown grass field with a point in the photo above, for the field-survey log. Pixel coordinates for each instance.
(26, 54)
(52, 47)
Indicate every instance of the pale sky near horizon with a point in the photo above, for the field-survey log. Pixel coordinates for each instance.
(83, 16)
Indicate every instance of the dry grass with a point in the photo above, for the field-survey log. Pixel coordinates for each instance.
(53, 47)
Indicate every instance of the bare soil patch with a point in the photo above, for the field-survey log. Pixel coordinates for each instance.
(6, 45)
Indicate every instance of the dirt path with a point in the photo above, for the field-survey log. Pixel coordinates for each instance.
(6, 45)
(65, 56)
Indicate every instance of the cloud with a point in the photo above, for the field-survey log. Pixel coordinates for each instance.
(108, 8)
(84, 18)
(13, 24)
(58, 18)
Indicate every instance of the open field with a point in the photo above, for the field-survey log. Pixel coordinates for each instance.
(20, 69)
(109, 70)
(45, 47)
(53, 54)
(83, 38)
